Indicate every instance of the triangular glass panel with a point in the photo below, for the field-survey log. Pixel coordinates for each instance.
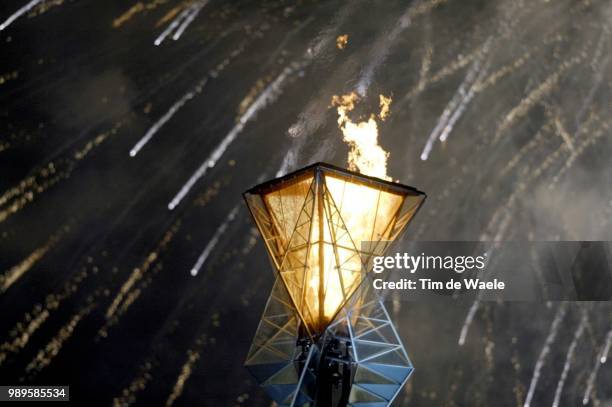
(397, 373)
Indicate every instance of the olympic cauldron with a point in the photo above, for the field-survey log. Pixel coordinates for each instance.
(325, 337)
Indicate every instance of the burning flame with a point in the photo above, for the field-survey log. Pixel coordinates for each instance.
(331, 265)
(365, 155)
(342, 41)
(385, 107)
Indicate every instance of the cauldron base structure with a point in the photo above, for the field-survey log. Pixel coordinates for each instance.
(358, 361)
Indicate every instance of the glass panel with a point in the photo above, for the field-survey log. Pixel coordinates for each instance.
(366, 211)
(314, 227)
(285, 205)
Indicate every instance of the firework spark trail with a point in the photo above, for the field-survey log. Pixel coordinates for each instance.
(186, 370)
(468, 321)
(8, 76)
(23, 330)
(167, 116)
(470, 317)
(22, 336)
(179, 68)
(290, 36)
(16, 272)
(447, 70)
(539, 139)
(448, 128)
(193, 355)
(17, 197)
(128, 394)
(383, 45)
(606, 349)
(289, 161)
(23, 10)
(153, 130)
(24, 191)
(128, 14)
(550, 339)
(537, 94)
(210, 246)
(598, 68)
(464, 59)
(576, 152)
(175, 23)
(313, 116)
(269, 95)
(505, 70)
(600, 360)
(46, 355)
(504, 210)
(137, 8)
(188, 20)
(599, 76)
(138, 280)
(214, 241)
(569, 357)
(554, 116)
(327, 36)
(425, 67)
(529, 146)
(181, 22)
(126, 294)
(513, 66)
(457, 104)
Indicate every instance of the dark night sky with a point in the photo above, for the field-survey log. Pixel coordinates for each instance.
(95, 283)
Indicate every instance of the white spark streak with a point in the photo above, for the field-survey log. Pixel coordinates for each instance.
(23, 10)
(468, 321)
(606, 350)
(218, 234)
(601, 359)
(472, 312)
(289, 161)
(550, 339)
(175, 23)
(327, 36)
(167, 116)
(461, 108)
(269, 95)
(313, 116)
(384, 44)
(568, 359)
(214, 241)
(188, 20)
(181, 22)
(458, 103)
(381, 51)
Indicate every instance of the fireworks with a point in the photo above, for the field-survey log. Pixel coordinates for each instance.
(500, 112)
